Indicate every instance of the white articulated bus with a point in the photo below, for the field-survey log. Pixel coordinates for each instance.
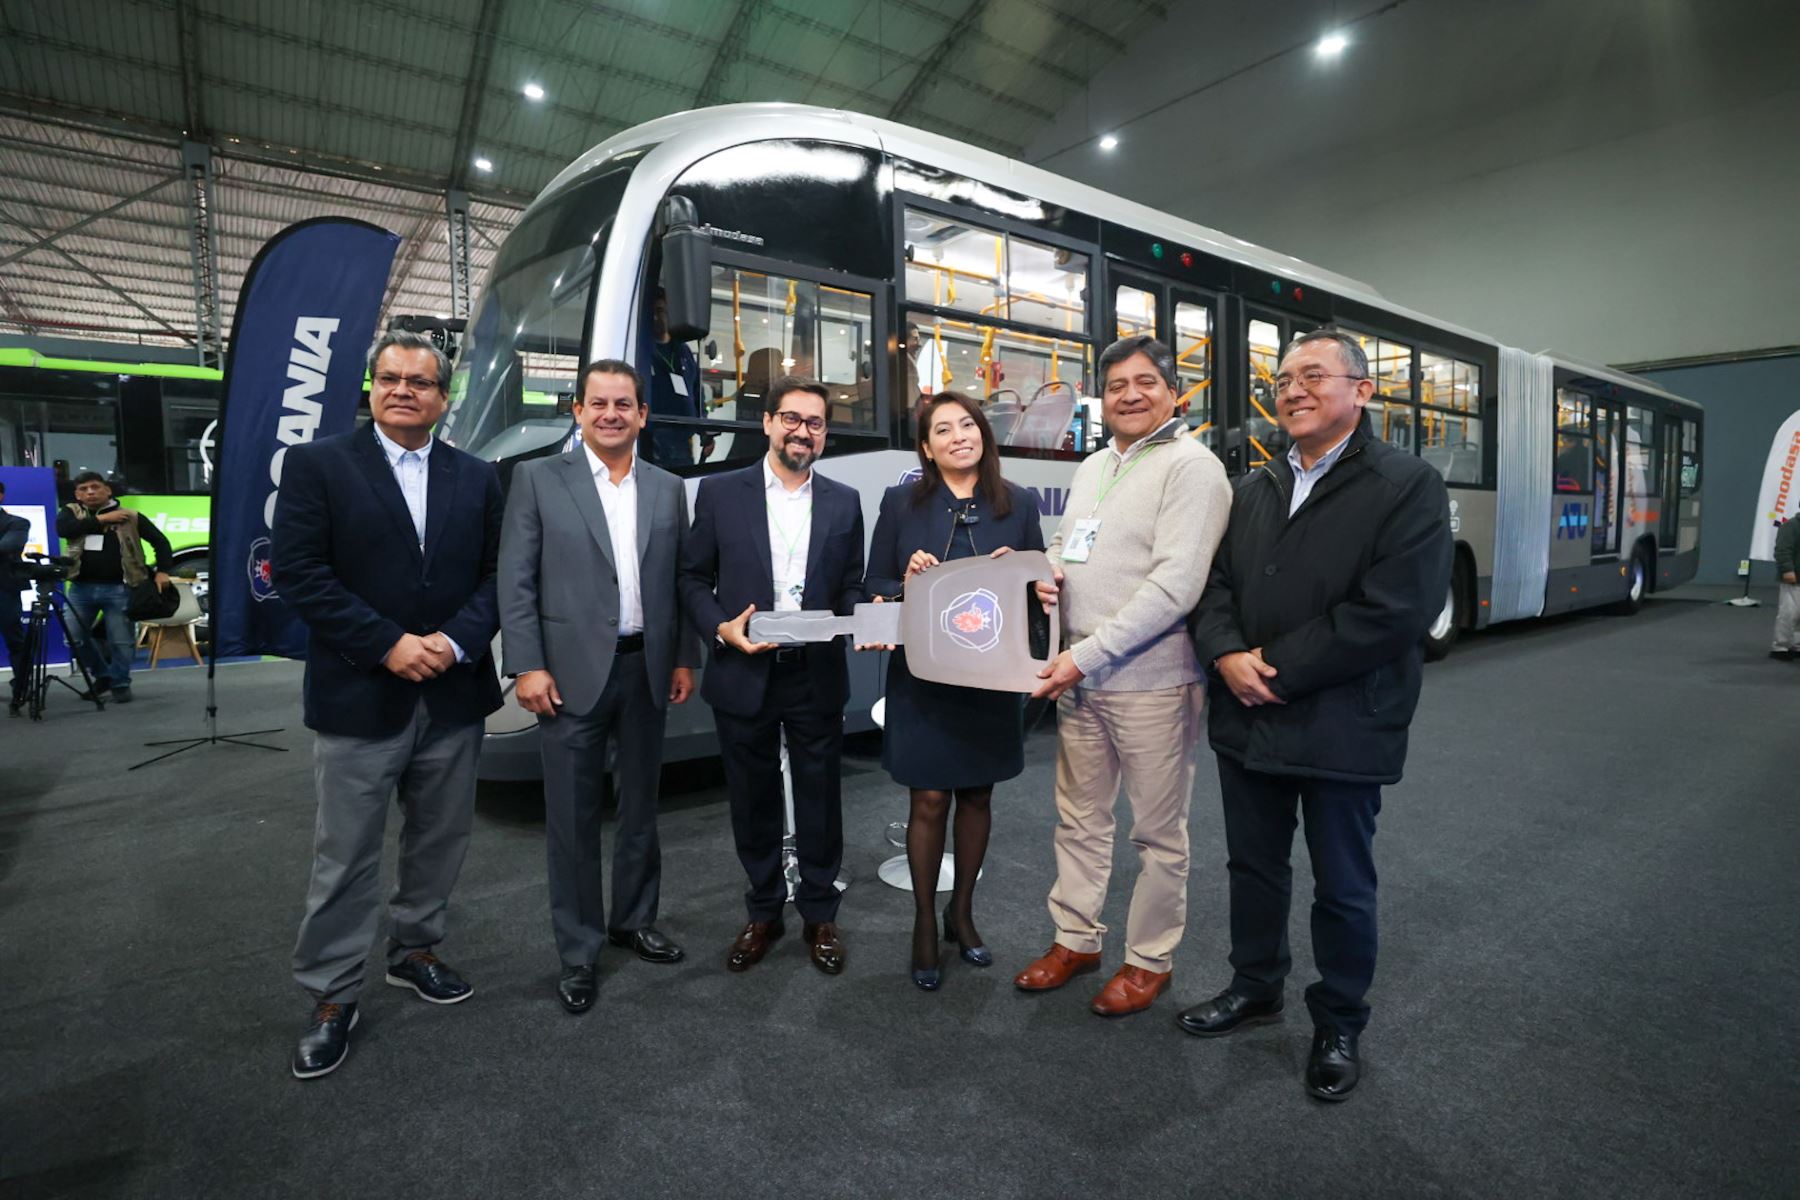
(888, 262)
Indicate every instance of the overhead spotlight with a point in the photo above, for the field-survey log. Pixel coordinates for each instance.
(484, 164)
(1109, 142)
(443, 316)
(1331, 45)
(533, 92)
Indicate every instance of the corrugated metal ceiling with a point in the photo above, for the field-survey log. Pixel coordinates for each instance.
(374, 108)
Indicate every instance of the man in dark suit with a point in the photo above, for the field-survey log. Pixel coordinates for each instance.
(778, 535)
(14, 532)
(385, 543)
(592, 628)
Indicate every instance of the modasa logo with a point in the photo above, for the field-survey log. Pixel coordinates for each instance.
(972, 620)
(1573, 524)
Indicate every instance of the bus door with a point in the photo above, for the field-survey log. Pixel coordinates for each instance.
(1194, 322)
(1668, 432)
(1266, 333)
(1608, 479)
(1185, 319)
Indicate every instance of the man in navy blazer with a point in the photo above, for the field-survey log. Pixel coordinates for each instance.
(385, 543)
(778, 535)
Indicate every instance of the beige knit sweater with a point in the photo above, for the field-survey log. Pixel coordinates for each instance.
(1124, 610)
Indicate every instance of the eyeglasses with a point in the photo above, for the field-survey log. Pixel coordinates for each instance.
(417, 383)
(1310, 380)
(792, 420)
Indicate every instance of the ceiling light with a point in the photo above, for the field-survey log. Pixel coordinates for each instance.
(443, 316)
(484, 164)
(1109, 142)
(533, 92)
(1331, 45)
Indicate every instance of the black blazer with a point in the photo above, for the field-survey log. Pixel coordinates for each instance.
(347, 561)
(725, 566)
(1338, 596)
(903, 527)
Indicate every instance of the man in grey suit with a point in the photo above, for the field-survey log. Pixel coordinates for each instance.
(591, 627)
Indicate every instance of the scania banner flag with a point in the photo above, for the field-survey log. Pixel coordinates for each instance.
(305, 320)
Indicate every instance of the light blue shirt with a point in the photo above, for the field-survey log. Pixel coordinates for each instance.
(411, 469)
(1304, 479)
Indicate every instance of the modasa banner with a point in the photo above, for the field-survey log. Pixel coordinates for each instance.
(1778, 499)
(305, 320)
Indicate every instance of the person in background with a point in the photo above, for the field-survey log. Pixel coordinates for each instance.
(674, 392)
(943, 742)
(1787, 602)
(107, 544)
(1335, 562)
(385, 543)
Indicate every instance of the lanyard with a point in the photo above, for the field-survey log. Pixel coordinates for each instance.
(1108, 485)
(791, 543)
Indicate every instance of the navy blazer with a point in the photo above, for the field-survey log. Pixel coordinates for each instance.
(903, 527)
(347, 560)
(725, 566)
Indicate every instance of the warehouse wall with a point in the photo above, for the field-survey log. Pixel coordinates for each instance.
(1746, 402)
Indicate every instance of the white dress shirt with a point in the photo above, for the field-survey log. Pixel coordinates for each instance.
(412, 470)
(790, 536)
(620, 500)
(1305, 478)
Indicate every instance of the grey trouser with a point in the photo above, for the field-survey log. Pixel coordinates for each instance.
(1787, 617)
(574, 752)
(432, 767)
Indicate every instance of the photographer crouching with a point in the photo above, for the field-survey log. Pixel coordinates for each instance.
(107, 544)
(13, 534)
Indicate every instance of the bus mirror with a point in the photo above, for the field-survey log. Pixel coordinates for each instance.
(686, 271)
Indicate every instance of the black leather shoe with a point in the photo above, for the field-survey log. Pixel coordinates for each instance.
(827, 946)
(1225, 1012)
(431, 978)
(649, 944)
(326, 1041)
(752, 944)
(1332, 1068)
(121, 695)
(577, 988)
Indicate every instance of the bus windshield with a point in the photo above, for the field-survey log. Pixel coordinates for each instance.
(515, 376)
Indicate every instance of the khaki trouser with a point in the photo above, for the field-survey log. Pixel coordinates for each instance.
(1147, 740)
(1787, 618)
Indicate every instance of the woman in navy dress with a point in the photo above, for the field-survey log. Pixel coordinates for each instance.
(948, 743)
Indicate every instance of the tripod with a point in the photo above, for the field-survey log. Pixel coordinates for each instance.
(47, 603)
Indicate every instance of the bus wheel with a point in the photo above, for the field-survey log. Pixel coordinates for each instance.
(1443, 630)
(1640, 584)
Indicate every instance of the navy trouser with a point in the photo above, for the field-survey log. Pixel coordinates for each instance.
(1259, 836)
(750, 749)
(90, 599)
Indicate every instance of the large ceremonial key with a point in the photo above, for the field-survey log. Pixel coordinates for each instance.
(975, 622)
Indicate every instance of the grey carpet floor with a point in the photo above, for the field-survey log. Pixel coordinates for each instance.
(1590, 937)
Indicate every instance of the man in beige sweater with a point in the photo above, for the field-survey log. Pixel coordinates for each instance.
(1132, 555)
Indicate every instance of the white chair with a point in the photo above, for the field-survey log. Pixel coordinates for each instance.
(177, 627)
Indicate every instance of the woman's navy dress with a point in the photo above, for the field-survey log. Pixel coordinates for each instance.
(938, 736)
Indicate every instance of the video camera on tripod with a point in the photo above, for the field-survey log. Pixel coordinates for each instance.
(47, 606)
(43, 568)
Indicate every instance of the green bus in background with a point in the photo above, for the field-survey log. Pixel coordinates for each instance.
(149, 425)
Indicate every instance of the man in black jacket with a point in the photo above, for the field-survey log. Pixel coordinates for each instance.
(1335, 561)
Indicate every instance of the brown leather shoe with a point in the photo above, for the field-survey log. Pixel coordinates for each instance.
(752, 944)
(1059, 965)
(827, 946)
(1131, 990)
